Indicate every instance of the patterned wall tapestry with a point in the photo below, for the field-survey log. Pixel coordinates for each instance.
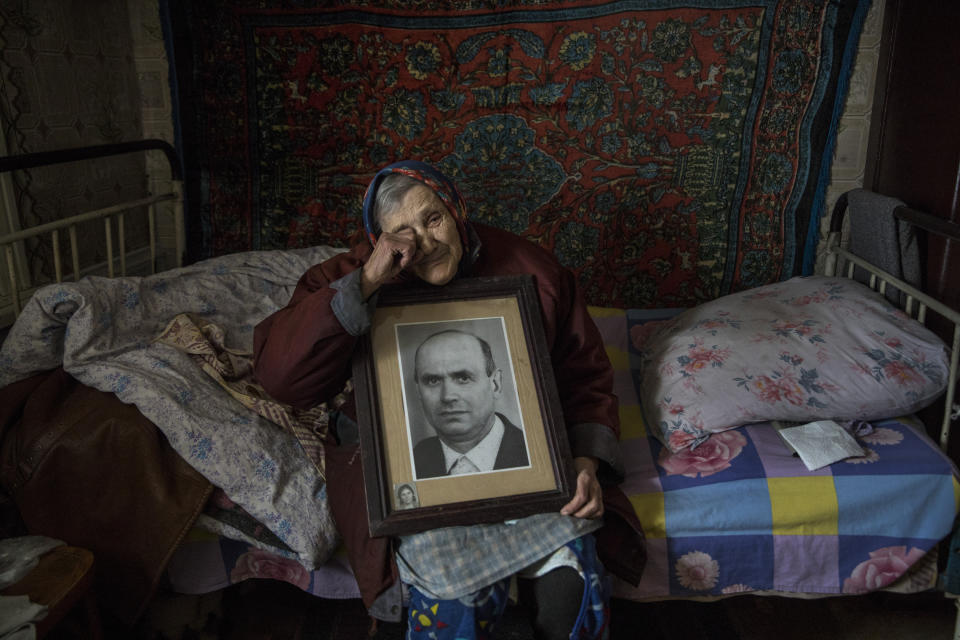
(667, 151)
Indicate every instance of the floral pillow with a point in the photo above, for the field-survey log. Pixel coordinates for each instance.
(804, 349)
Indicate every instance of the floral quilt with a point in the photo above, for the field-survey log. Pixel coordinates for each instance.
(103, 331)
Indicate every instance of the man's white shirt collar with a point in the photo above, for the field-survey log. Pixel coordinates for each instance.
(484, 453)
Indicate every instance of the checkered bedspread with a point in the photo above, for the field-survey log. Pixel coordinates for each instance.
(741, 513)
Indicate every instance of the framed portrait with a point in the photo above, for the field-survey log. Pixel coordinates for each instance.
(457, 406)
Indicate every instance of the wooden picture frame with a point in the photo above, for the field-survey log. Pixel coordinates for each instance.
(406, 491)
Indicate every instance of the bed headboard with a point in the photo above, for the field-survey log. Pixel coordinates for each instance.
(916, 303)
(18, 282)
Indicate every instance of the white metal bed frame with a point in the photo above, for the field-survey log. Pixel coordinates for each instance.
(839, 261)
(20, 282)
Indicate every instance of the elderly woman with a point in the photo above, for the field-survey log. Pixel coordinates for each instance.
(417, 230)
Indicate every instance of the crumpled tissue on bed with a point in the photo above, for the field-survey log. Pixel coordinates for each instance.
(821, 443)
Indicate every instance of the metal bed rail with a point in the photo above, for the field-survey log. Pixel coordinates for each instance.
(19, 282)
(916, 303)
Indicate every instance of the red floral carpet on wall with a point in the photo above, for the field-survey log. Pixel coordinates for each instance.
(668, 151)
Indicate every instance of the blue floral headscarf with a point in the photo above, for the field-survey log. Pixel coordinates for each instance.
(428, 175)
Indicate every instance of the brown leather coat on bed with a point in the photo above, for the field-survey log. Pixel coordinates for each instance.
(87, 469)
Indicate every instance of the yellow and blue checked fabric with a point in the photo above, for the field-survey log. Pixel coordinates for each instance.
(740, 513)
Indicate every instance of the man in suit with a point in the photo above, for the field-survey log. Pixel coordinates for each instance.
(459, 384)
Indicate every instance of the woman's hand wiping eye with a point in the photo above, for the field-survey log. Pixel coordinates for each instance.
(393, 253)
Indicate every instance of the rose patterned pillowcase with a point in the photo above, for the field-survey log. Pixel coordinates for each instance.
(805, 349)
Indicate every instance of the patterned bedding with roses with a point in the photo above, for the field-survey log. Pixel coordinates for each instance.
(741, 513)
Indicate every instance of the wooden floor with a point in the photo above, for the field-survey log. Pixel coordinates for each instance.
(262, 610)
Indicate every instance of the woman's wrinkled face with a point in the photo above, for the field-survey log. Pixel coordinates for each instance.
(438, 240)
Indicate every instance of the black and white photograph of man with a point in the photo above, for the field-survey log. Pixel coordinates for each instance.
(460, 398)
